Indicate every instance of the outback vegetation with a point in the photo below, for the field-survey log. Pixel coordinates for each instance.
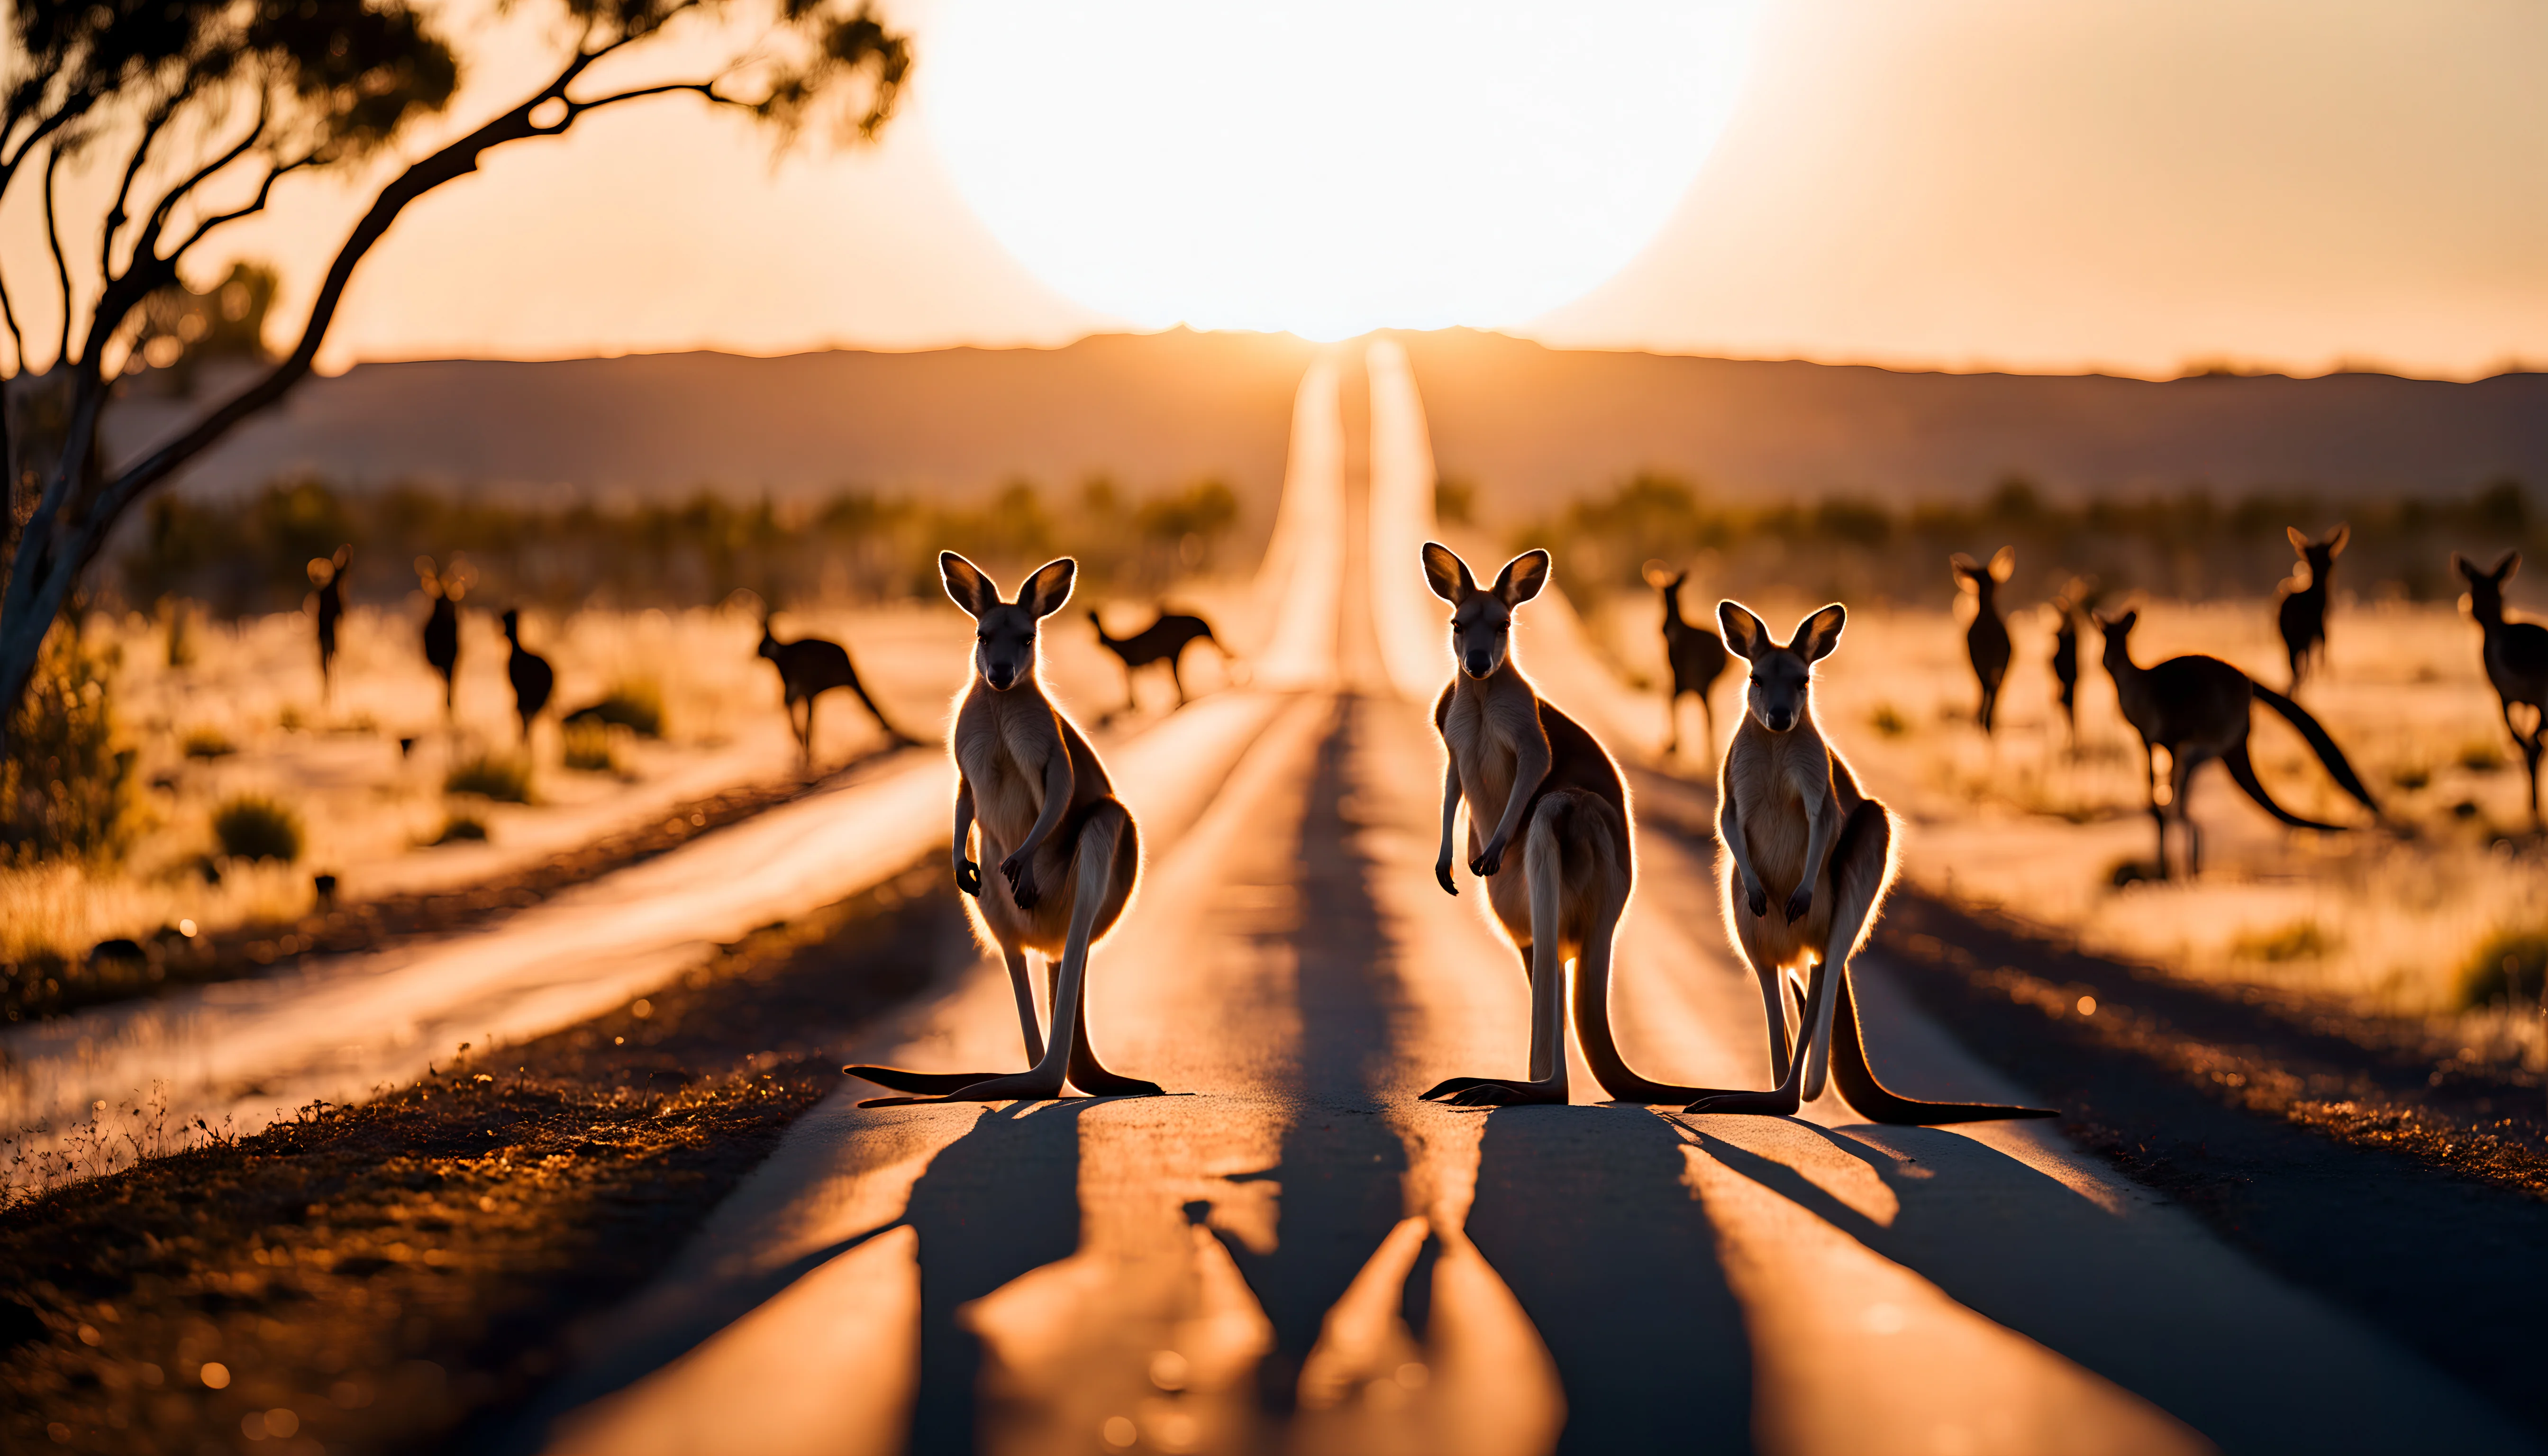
(2191, 545)
(243, 556)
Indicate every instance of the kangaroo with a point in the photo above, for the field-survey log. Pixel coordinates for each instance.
(327, 576)
(2079, 595)
(534, 678)
(1068, 851)
(2302, 613)
(1797, 829)
(808, 668)
(2198, 710)
(1545, 783)
(2516, 660)
(443, 623)
(1986, 640)
(1698, 655)
(1163, 641)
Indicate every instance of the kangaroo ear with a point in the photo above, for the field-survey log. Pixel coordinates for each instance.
(1966, 569)
(1448, 574)
(344, 557)
(2292, 534)
(1744, 634)
(2465, 567)
(1658, 575)
(965, 583)
(1818, 634)
(2003, 563)
(1522, 577)
(2505, 569)
(2126, 618)
(2337, 538)
(1049, 587)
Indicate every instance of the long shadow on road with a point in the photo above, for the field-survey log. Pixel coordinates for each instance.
(997, 1202)
(1342, 1168)
(1583, 1212)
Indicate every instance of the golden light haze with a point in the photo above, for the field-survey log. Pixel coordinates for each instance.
(1962, 183)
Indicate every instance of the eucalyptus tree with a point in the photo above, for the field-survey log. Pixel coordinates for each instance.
(195, 111)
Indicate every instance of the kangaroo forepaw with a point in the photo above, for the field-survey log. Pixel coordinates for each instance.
(1766, 1103)
(1758, 899)
(968, 877)
(1442, 872)
(1021, 878)
(1800, 902)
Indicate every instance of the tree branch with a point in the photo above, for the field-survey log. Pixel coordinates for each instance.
(15, 337)
(148, 240)
(116, 215)
(255, 203)
(61, 265)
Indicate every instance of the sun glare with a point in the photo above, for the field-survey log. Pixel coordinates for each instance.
(1331, 166)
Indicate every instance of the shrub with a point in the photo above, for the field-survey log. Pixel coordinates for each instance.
(252, 828)
(2510, 966)
(589, 748)
(2482, 756)
(2302, 940)
(494, 776)
(462, 829)
(66, 788)
(209, 743)
(633, 703)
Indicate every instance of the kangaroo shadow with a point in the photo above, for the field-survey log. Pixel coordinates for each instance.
(1585, 1215)
(2131, 1298)
(1342, 1168)
(997, 1202)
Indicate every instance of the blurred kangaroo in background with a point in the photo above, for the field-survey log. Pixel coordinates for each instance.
(1696, 654)
(532, 678)
(2198, 710)
(2302, 613)
(808, 668)
(2516, 655)
(1807, 860)
(443, 589)
(1163, 641)
(2077, 597)
(1986, 640)
(1067, 849)
(1557, 860)
(327, 576)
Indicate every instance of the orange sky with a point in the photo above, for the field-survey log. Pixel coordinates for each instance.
(2119, 184)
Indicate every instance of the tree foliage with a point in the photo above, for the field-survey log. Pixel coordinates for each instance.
(199, 109)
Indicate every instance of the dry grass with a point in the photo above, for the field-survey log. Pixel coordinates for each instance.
(2386, 918)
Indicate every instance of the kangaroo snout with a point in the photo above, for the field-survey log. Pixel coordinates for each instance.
(1780, 720)
(1476, 663)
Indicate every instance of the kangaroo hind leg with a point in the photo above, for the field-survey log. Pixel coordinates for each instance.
(1544, 866)
(939, 1084)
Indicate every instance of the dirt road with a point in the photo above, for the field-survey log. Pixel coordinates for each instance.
(1295, 1254)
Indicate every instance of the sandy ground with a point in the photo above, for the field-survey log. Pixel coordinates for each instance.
(1295, 1253)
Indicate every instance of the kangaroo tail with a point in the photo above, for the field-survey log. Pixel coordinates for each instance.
(1878, 1103)
(2243, 769)
(2325, 746)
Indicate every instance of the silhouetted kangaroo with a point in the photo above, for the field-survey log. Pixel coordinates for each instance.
(1160, 642)
(328, 575)
(2302, 613)
(1067, 849)
(534, 678)
(1986, 640)
(2197, 708)
(810, 666)
(2077, 597)
(1808, 859)
(2516, 659)
(442, 624)
(1696, 654)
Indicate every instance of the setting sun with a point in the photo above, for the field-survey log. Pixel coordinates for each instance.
(1329, 168)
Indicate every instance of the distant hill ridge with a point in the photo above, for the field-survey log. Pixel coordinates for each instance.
(1523, 421)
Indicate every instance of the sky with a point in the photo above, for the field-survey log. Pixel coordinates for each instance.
(2130, 186)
